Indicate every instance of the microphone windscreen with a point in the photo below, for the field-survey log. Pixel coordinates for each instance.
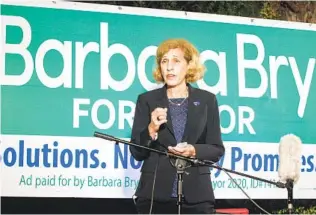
(290, 152)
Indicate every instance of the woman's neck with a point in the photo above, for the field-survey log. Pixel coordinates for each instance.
(180, 91)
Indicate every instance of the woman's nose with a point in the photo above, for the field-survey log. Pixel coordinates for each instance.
(169, 66)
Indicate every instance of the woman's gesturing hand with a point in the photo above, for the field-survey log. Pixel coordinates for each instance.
(158, 117)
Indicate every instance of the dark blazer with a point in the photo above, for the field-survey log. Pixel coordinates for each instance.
(202, 131)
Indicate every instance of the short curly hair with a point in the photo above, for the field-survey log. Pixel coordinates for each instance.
(191, 54)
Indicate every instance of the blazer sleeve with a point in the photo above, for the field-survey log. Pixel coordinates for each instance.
(213, 148)
(140, 134)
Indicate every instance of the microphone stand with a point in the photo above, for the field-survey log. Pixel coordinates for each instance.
(180, 166)
(289, 187)
(180, 169)
(180, 193)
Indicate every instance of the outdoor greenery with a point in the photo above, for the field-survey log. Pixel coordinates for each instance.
(299, 11)
(299, 210)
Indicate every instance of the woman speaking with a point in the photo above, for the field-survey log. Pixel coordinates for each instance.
(185, 121)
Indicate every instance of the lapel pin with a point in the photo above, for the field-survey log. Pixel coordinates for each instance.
(196, 103)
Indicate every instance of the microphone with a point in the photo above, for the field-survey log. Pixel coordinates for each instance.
(290, 150)
(117, 140)
(106, 136)
(181, 163)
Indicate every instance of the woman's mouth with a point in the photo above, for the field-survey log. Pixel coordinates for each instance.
(170, 76)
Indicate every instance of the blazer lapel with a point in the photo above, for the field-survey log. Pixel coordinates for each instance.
(196, 117)
(163, 103)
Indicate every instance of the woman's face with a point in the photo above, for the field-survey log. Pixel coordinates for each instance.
(174, 67)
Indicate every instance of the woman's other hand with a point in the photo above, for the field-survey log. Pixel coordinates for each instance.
(187, 151)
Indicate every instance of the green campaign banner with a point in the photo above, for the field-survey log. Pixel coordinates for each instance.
(69, 69)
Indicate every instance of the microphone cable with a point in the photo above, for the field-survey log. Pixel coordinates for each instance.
(153, 187)
(155, 175)
(242, 190)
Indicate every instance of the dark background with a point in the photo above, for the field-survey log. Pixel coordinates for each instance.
(12, 205)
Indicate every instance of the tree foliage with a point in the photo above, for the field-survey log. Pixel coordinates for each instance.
(299, 11)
